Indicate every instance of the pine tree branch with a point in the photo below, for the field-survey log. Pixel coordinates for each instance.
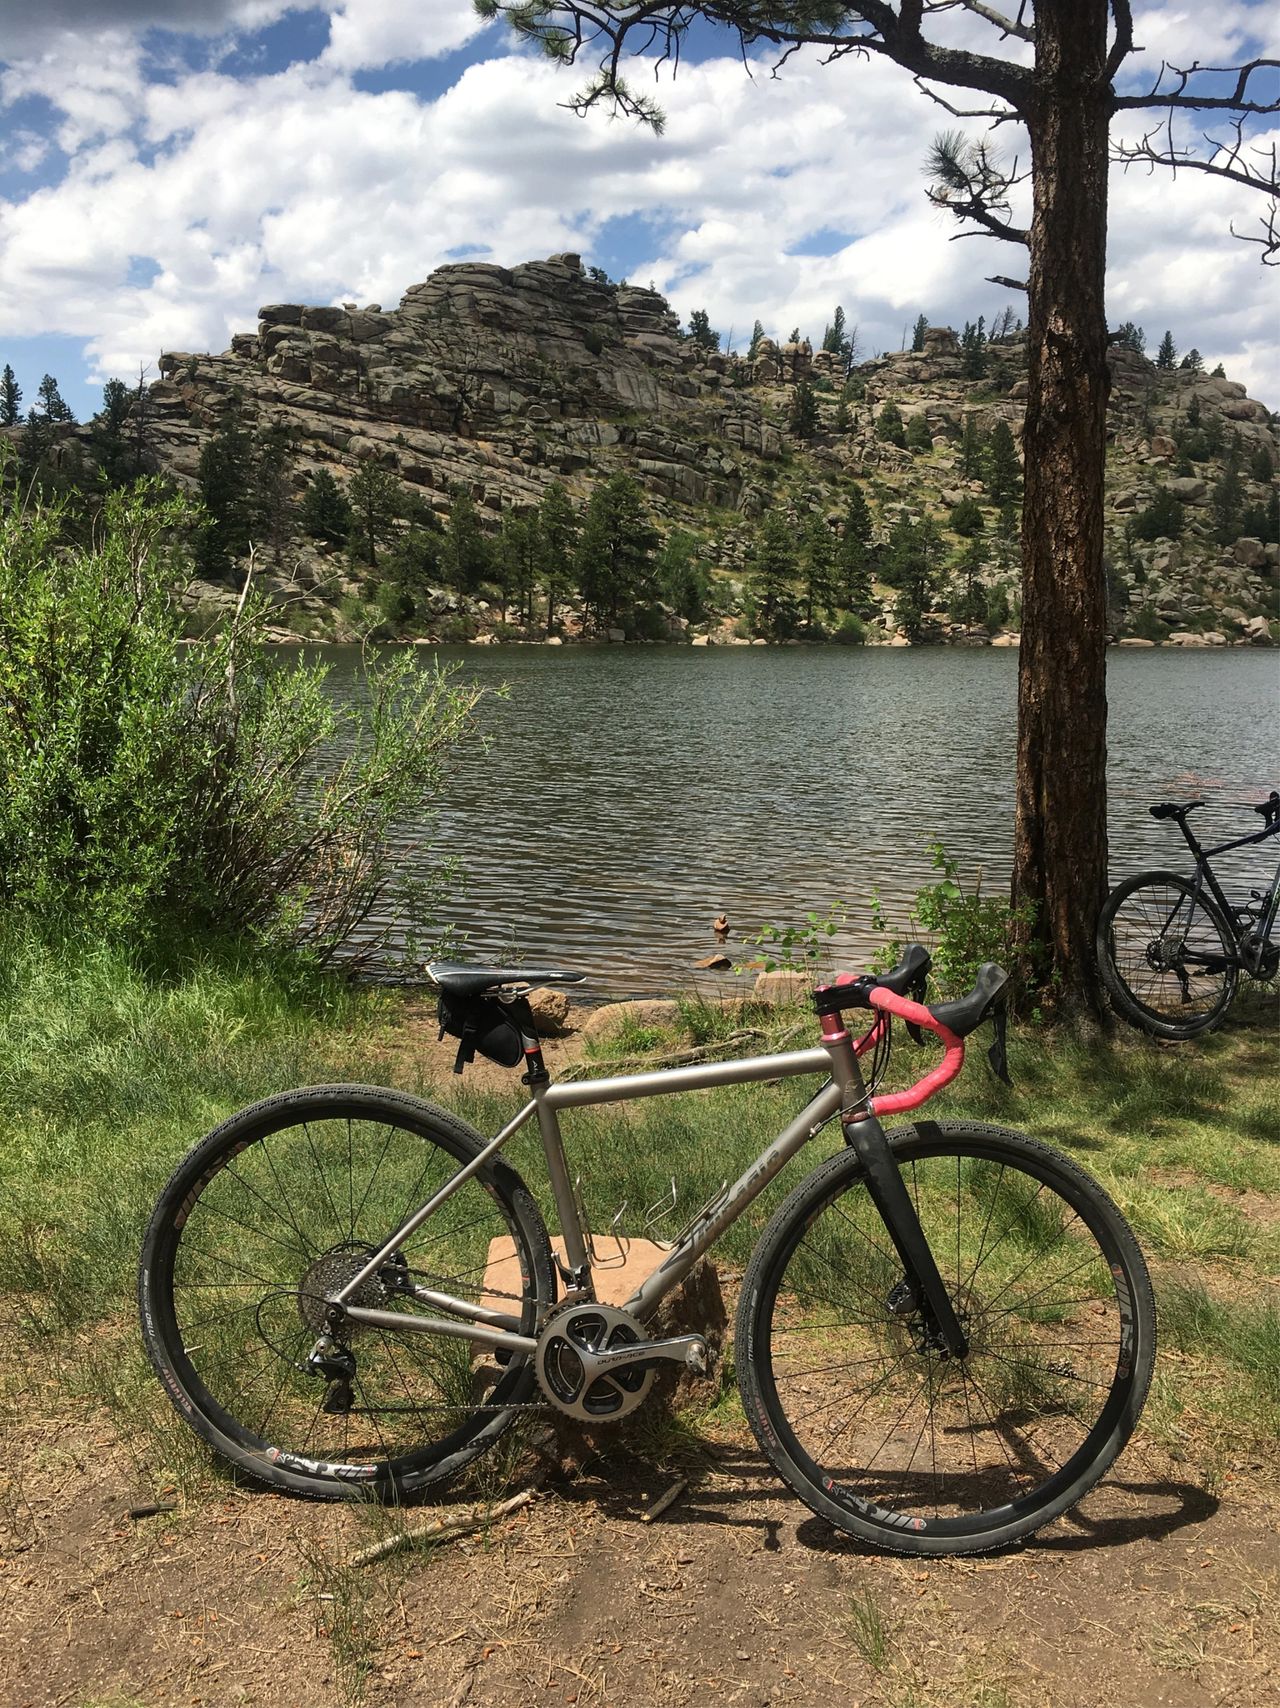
(1183, 98)
(1225, 159)
(1122, 46)
(1009, 284)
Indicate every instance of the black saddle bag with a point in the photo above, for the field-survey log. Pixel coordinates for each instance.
(482, 1024)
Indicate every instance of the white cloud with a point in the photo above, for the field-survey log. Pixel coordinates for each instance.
(299, 185)
(364, 33)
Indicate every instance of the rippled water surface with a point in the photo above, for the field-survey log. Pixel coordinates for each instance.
(629, 795)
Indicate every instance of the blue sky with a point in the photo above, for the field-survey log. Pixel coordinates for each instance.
(167, 167)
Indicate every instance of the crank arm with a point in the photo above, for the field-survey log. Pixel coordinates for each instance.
(687, 1349)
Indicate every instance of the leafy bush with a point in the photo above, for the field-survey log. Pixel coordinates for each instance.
(157, 790)
(966, 518)
(961, 929)
(1161, 520)
(852, 631)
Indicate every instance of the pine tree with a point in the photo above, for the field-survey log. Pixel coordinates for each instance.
(919, 438)
(682, 577)
(616, 551)
(1227, 500)
(700, 333)
(889, 426)
(1131, 337)
(855, 556)
(966, 518)
(110, 449)
(466, 558)
(1167, 355)
(373, 493)
(52, 406)
(771, 572)
(515, 563)
(794, 336)
(1192, 362)
(969, 600)
(557, 542)
(802, 418)
(224, 475)
(1004, 471)
(913, 569)
(837, 340)
(10, 398)
(757, 338)
(270, 499)
(917, 334)
(973, 450)
(973, 352)
(818, 568)
(324, 512)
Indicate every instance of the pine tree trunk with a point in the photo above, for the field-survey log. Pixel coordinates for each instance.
(1060, 834)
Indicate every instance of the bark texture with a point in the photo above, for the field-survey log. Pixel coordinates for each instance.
(1060, 833)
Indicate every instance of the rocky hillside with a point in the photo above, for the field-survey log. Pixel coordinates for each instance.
(500, 380)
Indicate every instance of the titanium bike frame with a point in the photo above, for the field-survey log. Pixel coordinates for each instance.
(844, 1093)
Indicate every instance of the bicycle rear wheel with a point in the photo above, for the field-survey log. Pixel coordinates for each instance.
(278, 1207)
(870, 1421)
(1166, 954)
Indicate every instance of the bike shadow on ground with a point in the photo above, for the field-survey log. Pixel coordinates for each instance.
(731, 1486)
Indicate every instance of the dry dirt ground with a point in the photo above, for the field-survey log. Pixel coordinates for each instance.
(1156, 1591)
(1153, 1592)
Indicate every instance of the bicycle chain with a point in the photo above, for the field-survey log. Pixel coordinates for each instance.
(524, 1408)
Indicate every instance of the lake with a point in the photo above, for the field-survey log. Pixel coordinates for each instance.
(629, 795)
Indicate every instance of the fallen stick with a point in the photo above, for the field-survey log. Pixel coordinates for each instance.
(664, 1501)
(439, 1527)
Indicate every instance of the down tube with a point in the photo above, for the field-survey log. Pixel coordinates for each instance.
(720, 1215)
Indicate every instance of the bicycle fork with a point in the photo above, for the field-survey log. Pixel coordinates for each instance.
(922, 1286)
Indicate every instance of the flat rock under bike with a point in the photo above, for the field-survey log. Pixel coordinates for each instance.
(944, 1338)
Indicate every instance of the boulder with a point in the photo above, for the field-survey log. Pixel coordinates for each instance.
(1250, 552)
(782, 986)
(643, 1011)
(550, 1007)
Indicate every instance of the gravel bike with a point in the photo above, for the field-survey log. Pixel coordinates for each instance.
(944, 1337)
(1171, 949)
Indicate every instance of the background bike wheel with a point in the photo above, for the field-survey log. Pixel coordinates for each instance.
(1154, 932)
(873, 1426)
(287, 1200)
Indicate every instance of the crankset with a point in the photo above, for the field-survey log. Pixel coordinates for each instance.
(595, 1362)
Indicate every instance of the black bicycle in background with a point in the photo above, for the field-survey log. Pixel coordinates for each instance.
(1171, 949)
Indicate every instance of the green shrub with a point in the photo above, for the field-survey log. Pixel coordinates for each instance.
(852, 631)
(966, 518)
(961, 929)
(156, 790)
(1161, 520)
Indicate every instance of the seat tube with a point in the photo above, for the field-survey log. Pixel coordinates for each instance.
(575, 1245)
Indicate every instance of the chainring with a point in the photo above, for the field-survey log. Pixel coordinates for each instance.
(562, 1375)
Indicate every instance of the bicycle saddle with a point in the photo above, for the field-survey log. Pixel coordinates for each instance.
(458, 979)
(1170, 809)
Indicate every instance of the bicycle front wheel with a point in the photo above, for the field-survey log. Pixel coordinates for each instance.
(278, 1208)
(860, 1409)
(1166, 955)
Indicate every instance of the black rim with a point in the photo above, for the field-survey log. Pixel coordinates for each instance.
(1173, 958)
